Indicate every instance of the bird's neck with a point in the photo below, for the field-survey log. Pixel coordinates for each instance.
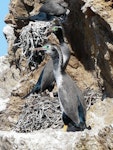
(66, 54)
(58, 71)
(61, 40)
(64, 48)
(60, 37)
(58, 66)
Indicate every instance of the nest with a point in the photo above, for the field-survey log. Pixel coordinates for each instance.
(91, 96)
(32, 36)
(42, 112)
(39, 113)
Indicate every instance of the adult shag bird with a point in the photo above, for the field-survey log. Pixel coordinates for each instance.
(49, 10)
(46, 79)
(70, 96)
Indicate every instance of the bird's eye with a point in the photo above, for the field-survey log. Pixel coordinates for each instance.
(55, 28)
(46, 47)
(53, 49)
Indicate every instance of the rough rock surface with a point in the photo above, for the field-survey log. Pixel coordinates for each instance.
(90, 24)
(57, 140)
(88, 30)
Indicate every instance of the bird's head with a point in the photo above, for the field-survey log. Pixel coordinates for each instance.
(58, 31)
(50, 49)
(54, 29)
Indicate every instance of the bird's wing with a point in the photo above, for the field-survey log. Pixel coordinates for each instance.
(63, 4)
(52, 8)
(68, 96)
(48, 76)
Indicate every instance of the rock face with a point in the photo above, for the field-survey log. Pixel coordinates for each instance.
(88, 30)
(57, 140)
(90, 24)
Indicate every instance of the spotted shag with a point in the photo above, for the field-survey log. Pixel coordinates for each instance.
(49, 10)
(70, 96)
(46, 79)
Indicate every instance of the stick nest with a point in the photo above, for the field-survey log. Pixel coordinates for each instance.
(42, 112)
(39, 113)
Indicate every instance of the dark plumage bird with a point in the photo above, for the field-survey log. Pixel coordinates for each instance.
(46, 79)
(71, 99)
(49, 10)
(58, 31)
(55, 8)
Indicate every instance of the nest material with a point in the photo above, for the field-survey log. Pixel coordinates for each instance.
(39, 113)
(42, 112)
(32, 36)
(91, 97)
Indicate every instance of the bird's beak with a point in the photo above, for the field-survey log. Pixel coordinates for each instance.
(48, 31)
(40, 49)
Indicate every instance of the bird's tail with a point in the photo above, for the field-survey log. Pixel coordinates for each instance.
(82, 116)
(72, 127)
(35, 89)
(26, 95)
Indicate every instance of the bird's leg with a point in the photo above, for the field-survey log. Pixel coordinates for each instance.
(51, 94)
(65, 128)
(55, 94)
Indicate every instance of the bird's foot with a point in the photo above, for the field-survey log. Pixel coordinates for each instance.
(51, 94)
(55, 94)
(89, 127)
(65, 128)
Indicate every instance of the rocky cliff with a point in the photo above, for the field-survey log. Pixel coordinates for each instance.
(88, 30)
